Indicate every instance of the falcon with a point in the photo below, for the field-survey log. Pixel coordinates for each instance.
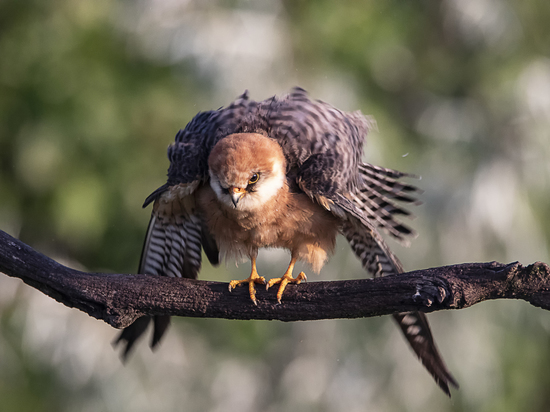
(286, 172)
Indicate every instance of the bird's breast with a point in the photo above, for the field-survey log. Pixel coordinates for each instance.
(290, 221)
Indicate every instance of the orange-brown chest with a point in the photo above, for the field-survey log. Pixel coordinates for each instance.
(287, 221)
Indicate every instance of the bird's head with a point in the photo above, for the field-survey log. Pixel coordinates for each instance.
(246, 170)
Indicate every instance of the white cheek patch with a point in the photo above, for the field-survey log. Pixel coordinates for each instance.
(265, 189)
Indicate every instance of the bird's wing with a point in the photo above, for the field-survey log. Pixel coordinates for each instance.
(172, 247)
(323, 147)
(309, 131)
(367, 207)
(377, 258)
(371, 206)
(176, 234)
(377, 194)
(360, 216)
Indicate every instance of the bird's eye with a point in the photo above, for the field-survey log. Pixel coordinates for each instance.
(255, 177)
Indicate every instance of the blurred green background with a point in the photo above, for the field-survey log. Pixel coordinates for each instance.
(92, 93)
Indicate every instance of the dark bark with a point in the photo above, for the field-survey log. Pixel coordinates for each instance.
(119, 299)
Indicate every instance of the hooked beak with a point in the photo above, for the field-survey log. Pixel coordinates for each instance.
(236, 194)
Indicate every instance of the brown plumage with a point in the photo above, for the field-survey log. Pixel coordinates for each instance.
(268, 214)
(287, 173)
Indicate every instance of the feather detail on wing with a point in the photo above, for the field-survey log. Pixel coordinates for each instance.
(303, 127)
(172, 247)
(369, 247)
(377, 258)
(371, 205)
(416, 329)
(174, 239)
(376, 195)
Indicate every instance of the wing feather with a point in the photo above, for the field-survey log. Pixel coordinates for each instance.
(377, 258)
(364, 201)
(172, 247)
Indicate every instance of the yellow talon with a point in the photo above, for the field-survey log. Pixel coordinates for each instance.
(286, 279)
(251, 280)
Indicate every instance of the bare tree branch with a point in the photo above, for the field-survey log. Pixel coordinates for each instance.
(119, 299)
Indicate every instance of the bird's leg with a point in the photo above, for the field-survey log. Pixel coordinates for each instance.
(251, 280)
(286, 279)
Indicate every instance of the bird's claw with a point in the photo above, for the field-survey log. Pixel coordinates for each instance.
(251, 280)
(285, 280)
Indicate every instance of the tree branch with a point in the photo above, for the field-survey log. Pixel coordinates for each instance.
(120, 299)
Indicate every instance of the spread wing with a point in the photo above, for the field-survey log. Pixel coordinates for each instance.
(323, 147)
(365, 208)
(377, 258)
(176, 235)
(172, 247)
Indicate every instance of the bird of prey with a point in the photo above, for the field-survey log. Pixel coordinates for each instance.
(286, 173)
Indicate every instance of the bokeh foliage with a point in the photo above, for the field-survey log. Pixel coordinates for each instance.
(91, 94)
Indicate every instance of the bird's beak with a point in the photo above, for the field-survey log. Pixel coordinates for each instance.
(236, 194)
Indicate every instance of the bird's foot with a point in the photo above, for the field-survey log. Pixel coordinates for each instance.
(251, 280)
(285, 280)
